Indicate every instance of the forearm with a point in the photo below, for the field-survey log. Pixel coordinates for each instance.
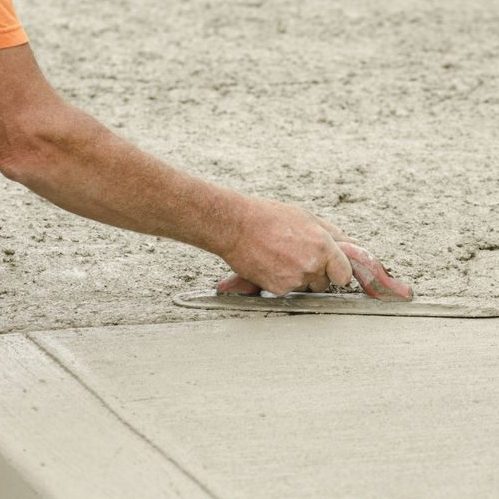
(86, 169)
(69, 158)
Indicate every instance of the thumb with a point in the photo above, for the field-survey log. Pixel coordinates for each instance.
(237, 285)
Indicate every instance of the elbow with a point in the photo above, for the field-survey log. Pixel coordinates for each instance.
(14, 171)
(14, 150)
(17, 165)
(22, 148)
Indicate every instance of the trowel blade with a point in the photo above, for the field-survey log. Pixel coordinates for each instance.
(346, 304)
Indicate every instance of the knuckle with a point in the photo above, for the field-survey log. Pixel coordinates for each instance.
(310, 267)
(340, 275)
(321, 239)
(339, 269)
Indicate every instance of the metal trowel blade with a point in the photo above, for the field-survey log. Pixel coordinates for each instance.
(346, 304)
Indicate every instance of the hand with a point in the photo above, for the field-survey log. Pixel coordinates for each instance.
(373, 277)
(282, 248)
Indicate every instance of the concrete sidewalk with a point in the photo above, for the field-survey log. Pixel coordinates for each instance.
(295, 407)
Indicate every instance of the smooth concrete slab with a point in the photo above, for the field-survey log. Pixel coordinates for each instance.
(304, 407)
(58, 440)
(13, 485)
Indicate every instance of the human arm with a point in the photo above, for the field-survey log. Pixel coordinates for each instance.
(72, 160)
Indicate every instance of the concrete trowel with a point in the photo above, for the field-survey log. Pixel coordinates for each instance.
(383, 295)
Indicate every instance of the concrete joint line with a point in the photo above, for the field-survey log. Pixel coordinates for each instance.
(123, 421)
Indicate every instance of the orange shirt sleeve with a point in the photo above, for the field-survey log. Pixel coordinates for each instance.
(11, 31)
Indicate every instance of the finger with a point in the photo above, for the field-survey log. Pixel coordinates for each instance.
(336, 232)
(320, 285)
(338, 268)
(237, 285)
(373, 277)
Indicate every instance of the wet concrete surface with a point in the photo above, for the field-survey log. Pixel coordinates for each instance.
(308, 406)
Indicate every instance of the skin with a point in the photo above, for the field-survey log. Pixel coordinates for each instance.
(66, 156)
(367, 269)
(374, 277)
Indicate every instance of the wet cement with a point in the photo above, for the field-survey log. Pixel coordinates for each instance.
(380, 117)
(294, 407)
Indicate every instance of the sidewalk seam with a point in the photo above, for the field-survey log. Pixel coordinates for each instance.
(124, 422)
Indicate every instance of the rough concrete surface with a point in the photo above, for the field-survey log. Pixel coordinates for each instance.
(301, 407)
(381, 117)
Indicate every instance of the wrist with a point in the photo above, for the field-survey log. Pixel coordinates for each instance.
(228, 212)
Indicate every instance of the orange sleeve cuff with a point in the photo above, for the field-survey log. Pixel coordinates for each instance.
(14, 36)
(11, 31)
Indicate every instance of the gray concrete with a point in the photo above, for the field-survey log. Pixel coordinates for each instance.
(301, 407)
(59, 441)
(13, 484)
